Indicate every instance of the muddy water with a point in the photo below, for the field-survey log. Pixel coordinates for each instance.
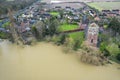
(45, 61)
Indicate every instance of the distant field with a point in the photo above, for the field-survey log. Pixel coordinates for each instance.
(105, 5)
(48, 1)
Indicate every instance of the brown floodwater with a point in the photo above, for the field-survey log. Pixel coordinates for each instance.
(46, 61)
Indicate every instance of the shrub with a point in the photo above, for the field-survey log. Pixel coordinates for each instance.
(4, 35)
(103, 49)
(113, 49)
(102, 46)
(76, 45)
(68, 45)
(118, 57)
(47, 39)
(56, 39)
(35, 32)
(106, 53)
(62, 38)
(91, 55)
(115, 25)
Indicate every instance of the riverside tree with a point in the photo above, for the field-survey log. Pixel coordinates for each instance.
(52, 27)
(115, 25)
(39, 30)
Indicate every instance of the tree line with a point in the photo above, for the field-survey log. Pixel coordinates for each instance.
(15, 5)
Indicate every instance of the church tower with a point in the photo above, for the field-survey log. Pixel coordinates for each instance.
(92, 34)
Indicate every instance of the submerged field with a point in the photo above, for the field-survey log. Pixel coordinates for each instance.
(105, 5)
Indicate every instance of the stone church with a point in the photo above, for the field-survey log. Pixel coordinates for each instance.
(92, 34)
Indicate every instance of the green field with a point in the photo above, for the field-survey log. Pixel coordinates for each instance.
(54, 13)
(73, 35)
(65, 27)
(6, 24)
(105, 5)
(0, 20)
(77, 35)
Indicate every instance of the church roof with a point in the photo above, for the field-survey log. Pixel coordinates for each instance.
(93, 25)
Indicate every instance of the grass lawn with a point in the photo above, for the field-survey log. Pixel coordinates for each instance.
(66, 27)
(105, 26)
(0, 20)
(3, 35)
(54, 13)
(6, 24)
(105, 5)
(74, 35)
(77, 35)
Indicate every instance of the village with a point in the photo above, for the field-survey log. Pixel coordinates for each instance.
(59, 39)
(41, 20)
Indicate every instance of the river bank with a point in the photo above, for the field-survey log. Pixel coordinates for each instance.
(46, 61)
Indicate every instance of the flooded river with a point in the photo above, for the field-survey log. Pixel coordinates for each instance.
(46, 61)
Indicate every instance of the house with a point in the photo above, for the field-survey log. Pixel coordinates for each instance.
(83, 26)
(103, 15)
(57, 8)
(76, 18)
(116, 11)
(24, 27)
(106, 11)
(91, 13)
(3, 30)
(92, 34)
(111, 14)
(97, 18)
(27, 15)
